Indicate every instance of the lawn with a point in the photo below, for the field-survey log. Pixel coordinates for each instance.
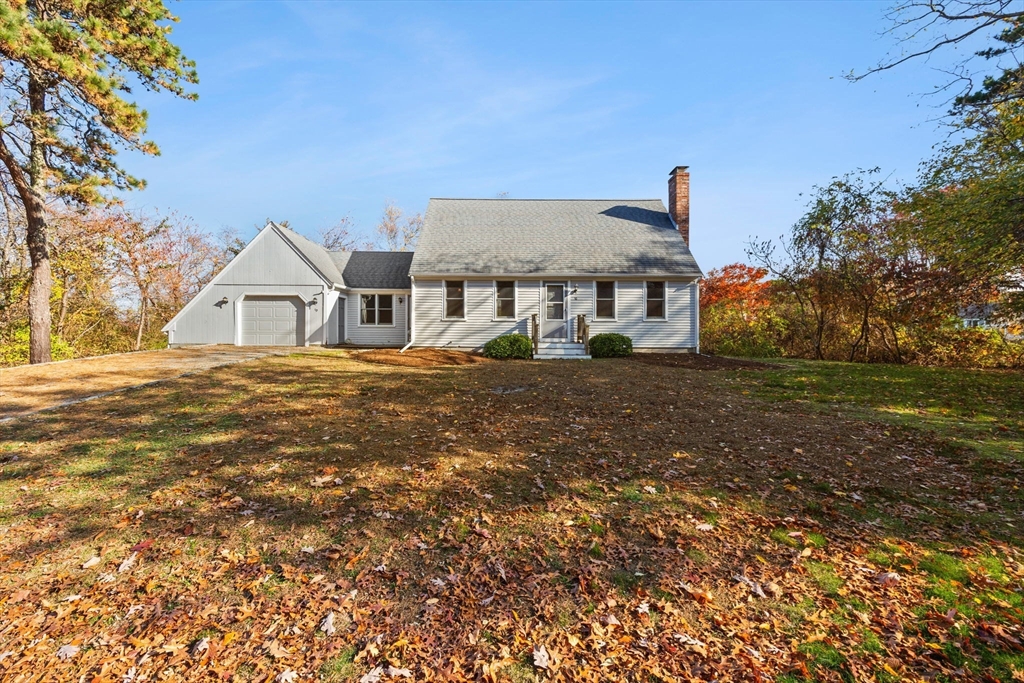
(315, 517)
(982, 410)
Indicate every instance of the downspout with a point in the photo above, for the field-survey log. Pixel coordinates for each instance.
(412, 314)
(696, 315)
(323, 315)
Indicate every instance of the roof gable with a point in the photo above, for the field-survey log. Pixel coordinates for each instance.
(318, 257)
(551, 236)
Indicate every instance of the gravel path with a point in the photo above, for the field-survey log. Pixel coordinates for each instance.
(29, 389)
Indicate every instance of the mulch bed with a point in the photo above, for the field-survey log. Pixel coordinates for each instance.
(420, 358)
(694, 361)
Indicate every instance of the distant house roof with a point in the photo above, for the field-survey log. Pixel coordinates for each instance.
(374, 269)
(551, 236)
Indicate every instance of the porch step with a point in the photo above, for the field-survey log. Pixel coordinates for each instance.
(560, 351)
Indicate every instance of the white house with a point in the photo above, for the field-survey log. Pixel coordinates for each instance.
(556, 270)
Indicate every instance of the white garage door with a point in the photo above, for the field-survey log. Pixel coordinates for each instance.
(272, 321)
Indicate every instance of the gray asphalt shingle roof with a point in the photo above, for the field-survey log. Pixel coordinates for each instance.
(551, 236)
(355, 269)
(374, 269)
(314, 253)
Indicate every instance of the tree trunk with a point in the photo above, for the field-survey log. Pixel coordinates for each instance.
(63, 312)
(142, 323)
(30, 184)
(39, 292)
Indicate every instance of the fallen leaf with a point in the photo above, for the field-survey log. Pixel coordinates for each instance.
(541, 658)
(287, 676)
(144, 545)
(327, 624)
(200, 647)
(691, 642)
(91, 562)
(275, 650)
(66, 652)
(18, 596)
(128, 563)
(888, 578)
(373, 675)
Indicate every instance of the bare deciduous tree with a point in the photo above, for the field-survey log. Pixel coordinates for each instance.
(340, 237)
(923, 28)
(397, 232)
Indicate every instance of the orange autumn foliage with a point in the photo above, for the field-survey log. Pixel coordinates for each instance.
(736, 283)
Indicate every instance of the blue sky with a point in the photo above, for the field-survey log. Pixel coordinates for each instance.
(310, 111)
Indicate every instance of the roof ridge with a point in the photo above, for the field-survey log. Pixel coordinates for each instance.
(367, 251)
(547, 199)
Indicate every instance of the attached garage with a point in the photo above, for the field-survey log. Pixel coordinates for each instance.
(272, 321)
(284, 290)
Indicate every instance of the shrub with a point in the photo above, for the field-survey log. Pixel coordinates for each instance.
(729, 331)
(610, 345)
(14, 351)
(509, 346)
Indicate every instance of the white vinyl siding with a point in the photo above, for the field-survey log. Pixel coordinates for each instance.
(479, 325)
(677, 331)
(375, 335)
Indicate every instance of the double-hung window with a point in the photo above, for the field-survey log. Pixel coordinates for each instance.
(654, 301)
(504, 299)
(604, 297)
(454, 300)
(377, 309)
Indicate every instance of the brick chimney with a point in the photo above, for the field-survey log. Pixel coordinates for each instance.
(679, 200)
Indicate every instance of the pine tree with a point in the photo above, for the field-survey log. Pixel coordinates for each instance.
(68, 67)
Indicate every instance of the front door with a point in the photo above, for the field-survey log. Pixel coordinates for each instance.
(553, 319)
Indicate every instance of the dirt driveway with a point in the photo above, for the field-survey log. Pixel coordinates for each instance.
(30, 388)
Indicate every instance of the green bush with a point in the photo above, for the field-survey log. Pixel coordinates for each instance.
(610, 345)
(509, 346)
(14, 349)
(729, 331)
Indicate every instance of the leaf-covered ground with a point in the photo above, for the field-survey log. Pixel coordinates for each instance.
(315, 517)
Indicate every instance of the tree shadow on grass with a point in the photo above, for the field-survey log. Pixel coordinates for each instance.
(591, 490)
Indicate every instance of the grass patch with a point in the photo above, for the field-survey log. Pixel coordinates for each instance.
(979, 409)
(339, 668)
(823, 656)
(943, 566)
(825, 576)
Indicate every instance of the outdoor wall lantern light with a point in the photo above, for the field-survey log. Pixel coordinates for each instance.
(400, 299)
(222, 303)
